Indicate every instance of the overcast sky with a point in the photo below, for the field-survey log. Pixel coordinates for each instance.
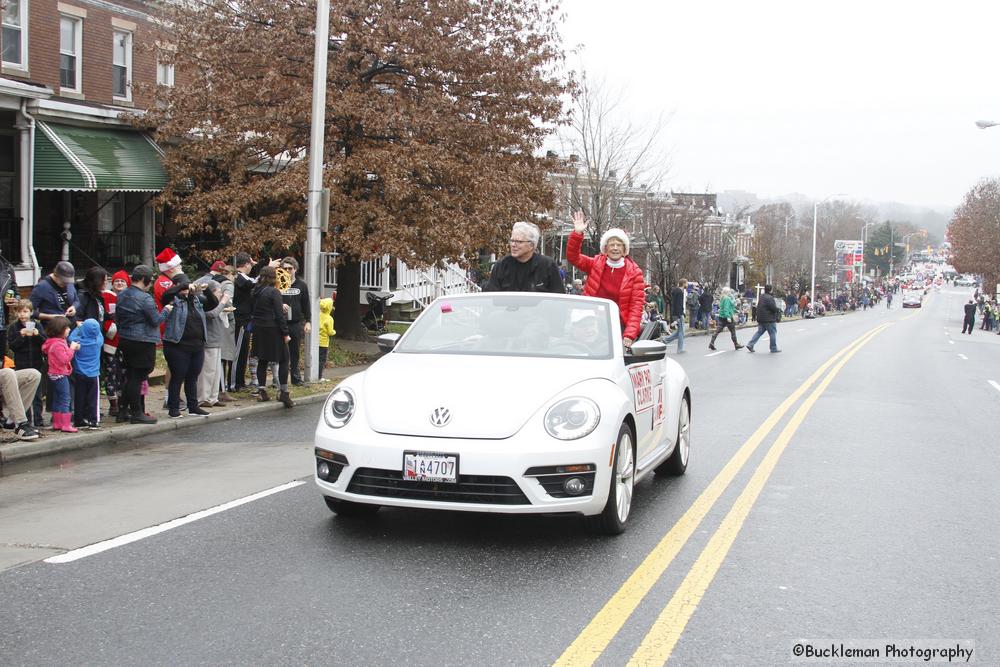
(876, 99)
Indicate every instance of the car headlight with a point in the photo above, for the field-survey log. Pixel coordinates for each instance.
(339, 408)
(572, 418)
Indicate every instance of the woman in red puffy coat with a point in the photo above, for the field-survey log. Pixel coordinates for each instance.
(611, 275)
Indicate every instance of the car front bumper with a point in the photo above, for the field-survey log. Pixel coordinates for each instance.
(371, 472)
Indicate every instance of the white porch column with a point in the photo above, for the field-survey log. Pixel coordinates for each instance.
(26, 195)
(148, 235)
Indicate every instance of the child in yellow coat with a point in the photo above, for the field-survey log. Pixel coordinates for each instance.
(325, 332)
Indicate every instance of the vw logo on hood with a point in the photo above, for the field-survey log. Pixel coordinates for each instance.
(440, 416)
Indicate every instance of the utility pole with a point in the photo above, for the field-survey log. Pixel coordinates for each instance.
(315, 216)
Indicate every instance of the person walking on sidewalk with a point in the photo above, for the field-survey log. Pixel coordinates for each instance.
(60, 356)
(727, 314)
(677, 307)
(969, 323)
(768, 316)
(270, 334)
(138, 333)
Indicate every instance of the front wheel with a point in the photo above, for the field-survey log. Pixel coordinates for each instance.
(678, 462)
(350, 509)
(611, 521)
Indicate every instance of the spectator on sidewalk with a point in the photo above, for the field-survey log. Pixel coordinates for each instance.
(87, 373)
(244, 283)
(228, 338)
(17, 389)
(326, 332)
(55, 294)
(705, 302)
(89, 304)
(25, 337)
(677, 307)
(210, 380)
(270, 334)
(184, 339)
(299, 313)
(138, 333)
(112, 376)
(60, 355)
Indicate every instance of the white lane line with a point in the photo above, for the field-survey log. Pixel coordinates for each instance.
(995, 384)
(128, 538)
(947, 333)
(713, 354)
(802, 329)
(963, 356)
(951, 342)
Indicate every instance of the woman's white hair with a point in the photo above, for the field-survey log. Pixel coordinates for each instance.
(528, 230)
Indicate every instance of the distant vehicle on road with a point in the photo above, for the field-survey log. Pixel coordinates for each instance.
(913, 299)
(965, 281)
(519, 403)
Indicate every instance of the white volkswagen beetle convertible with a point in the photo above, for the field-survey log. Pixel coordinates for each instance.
(522, 403)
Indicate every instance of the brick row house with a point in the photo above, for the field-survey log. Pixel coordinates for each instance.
(76, 181)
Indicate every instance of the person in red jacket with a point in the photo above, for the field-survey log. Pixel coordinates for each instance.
(611, 275)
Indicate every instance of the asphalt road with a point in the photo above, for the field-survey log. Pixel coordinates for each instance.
(867, 511)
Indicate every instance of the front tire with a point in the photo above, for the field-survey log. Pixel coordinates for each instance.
(350, 509)
(612, 520)
(677, 464)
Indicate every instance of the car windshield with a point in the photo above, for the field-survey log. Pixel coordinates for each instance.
(516, 325)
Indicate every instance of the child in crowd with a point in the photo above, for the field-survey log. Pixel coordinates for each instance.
(87, 373)
(112, 372)
(60, 367)
(325, 332)
(25, 338)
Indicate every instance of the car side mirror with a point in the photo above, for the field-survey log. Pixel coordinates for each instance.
(387, 341)
(646, 350)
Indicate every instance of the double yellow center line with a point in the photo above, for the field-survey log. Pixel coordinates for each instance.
(663, 636)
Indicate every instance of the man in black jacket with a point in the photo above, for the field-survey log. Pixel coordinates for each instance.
(678, 295)
(768, 315)
(246, 279)
(525, 270)
(970, 317)
(299, 315)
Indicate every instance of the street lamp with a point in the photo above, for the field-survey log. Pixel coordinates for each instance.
(864, 237)
(812, 289)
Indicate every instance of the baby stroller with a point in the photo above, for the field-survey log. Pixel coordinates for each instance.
(374, 319)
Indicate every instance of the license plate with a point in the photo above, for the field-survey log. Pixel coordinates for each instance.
(430, 467)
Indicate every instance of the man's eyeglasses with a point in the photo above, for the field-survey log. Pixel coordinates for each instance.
(518, 241)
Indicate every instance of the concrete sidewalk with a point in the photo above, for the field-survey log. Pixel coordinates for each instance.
(245, 405)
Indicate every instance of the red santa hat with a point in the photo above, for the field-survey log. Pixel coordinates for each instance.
(167, 259)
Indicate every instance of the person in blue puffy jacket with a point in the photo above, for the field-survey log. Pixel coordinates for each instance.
(86, 373)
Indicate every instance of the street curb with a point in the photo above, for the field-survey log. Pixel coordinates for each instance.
(20, 451)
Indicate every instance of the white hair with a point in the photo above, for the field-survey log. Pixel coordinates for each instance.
(528, 230)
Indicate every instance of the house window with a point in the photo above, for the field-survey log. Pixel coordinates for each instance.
(165, 74)
(122, 65)
(70, 43)
(15, 35)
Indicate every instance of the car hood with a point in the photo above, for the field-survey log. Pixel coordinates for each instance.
(486, 397)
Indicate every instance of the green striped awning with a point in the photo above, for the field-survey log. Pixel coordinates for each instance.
(91, 158)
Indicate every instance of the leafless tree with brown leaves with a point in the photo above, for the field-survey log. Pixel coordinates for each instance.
(435, 113)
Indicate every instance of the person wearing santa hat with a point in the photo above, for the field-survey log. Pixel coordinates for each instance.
(169, 263)
(611, 275)
(114, 375)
